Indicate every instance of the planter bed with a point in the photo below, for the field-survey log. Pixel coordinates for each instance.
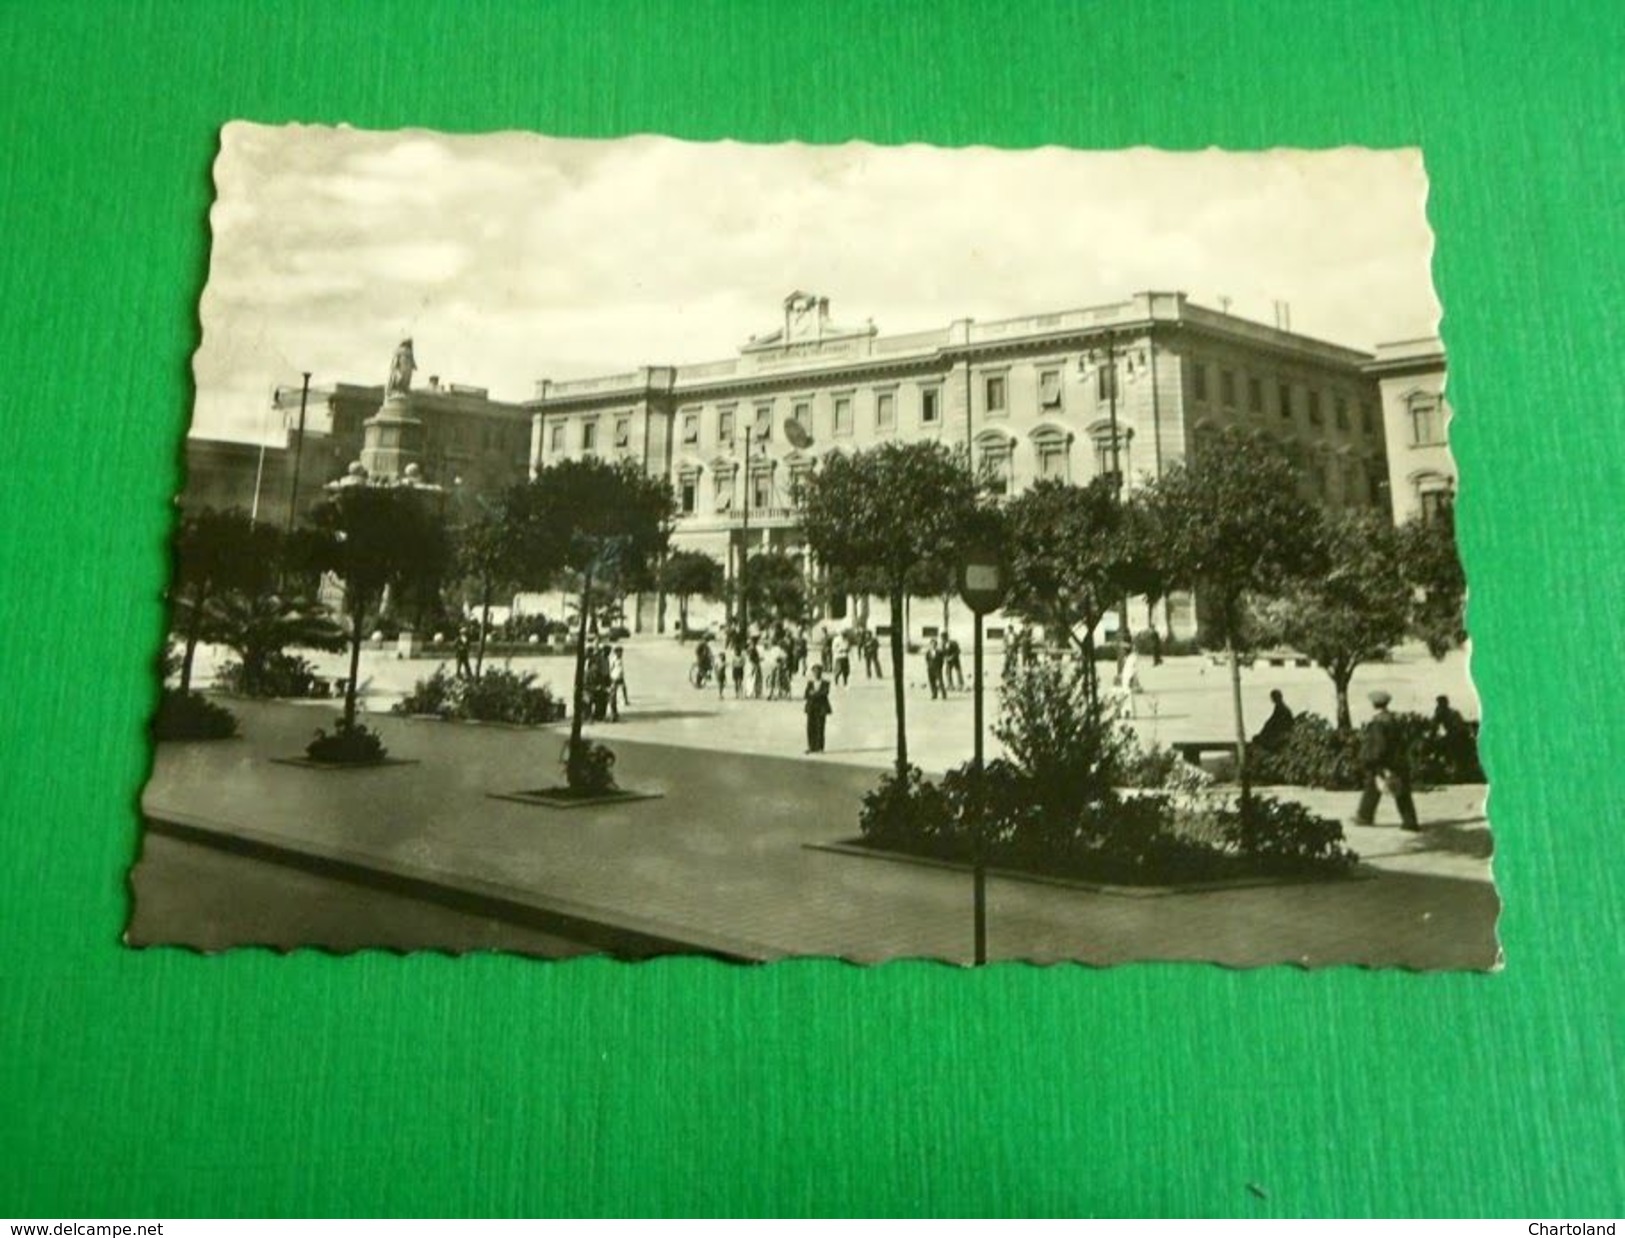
(564, 797)
(1236, 874)
(308, 763)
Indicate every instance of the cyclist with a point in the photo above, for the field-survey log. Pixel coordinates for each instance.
(702, 663)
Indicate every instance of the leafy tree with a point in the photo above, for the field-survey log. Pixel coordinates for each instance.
(1432, 567)
(1354, 610)
(1072, 558)
(216, 552)
(377, 540)
(257, 626)
(690, 573)
(772, 586)
(891, 514)
(491, 554)
(1231, 526)
(604, 524)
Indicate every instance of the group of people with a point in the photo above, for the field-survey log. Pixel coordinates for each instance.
(764, 664)
(604, 682)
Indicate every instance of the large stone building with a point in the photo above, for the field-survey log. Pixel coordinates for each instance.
(1421, 472)
(1030, 397)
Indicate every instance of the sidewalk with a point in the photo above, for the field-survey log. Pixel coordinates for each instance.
(721, 863)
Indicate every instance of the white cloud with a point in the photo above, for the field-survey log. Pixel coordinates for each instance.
(511, 257)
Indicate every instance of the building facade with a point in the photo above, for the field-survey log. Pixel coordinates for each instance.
(1421, 471)
(1068, 395)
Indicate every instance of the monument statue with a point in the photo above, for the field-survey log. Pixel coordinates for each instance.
(400, 371)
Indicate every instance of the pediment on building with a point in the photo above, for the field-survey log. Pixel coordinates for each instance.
(805, 325)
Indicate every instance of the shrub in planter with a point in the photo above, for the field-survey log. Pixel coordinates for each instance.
(1281, 836)
(507, 696)
(284, 676)
(1313, 754)
(187, 715)
(435, 695)
(904, 810)
(347, 745)
(589, 768)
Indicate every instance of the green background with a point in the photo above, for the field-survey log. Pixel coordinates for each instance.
(161, 1083)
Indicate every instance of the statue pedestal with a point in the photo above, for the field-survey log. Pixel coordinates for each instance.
(391, 439)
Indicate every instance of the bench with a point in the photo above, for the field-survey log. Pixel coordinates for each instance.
(1192, 749)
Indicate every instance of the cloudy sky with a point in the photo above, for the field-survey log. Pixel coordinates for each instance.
(512, 257)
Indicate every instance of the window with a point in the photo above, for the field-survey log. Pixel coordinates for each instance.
(556, 437)
(1198, 380)
(761, 490)
(1315, 418)
(1435, 496)
(1054, 456)
(798, 483)
(930, 405)
(1340, 412)
(1427, 425)
(691, 429)
(843, 415)
(1227, 388)
(1283, 398)
(725, 426)
(1105, 464)
(1106, 383)
(886, 411)
(764, 422)
(994, 391)
(623, 432)
(589, 436)
(1255, 395)
(722, 491)
(687, 496)
(1049, 389)
(801, 412)
(995, 468)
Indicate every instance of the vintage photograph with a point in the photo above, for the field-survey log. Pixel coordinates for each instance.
(644, 547)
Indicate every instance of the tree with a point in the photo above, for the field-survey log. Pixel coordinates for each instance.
(377, 540)
(1232, 525)
(1354, 610)
(772, 586)
(604, 524)
(689, 573)
(216, 551)
(890, 514)
(491, 554)
(1071, 559)
(257, 626)
(1432, 567)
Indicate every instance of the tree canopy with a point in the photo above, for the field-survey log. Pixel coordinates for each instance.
(1432, 566)
(216, 552)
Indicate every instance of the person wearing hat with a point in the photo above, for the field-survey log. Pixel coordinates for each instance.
(816, 695)
(1383, 757)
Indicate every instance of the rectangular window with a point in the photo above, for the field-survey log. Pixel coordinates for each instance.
(1227, 388)
(1315, 418)
(996, 470)
(1427, 427)
(1106, 383)
(688, 496)
(761, 491)
(1049, 389)
(1340, 412)
(556, 437)
(886, 411)
(994, 389)
(725, 426)
(1435, 503)
(1284, 401)
(1052, 461)
(623, 432)
(1198, 380)
(843, 415)
(1255, 395)
(589, 436)
(801, 412)
(930, 405)
(764, 422)
(691, 429)
(722, 492)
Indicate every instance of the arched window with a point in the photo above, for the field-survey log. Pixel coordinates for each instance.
(1052, 453)
(722, 484)
(1426, 414)
(1435, 494)
(1112, 455)
(993, 459)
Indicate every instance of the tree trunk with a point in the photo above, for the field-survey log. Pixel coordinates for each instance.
(579, 695)
(194, 632)
(357, 622)
(897, 653)
(682, 616)
(1340, 681)
(1241, 725)
(485, 627)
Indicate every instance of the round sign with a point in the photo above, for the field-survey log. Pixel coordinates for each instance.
(982, 579)
(798, 435)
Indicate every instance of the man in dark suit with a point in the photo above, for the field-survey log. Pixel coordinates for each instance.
(1383, 755)
(818, 708)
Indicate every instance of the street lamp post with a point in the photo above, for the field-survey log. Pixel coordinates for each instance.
(982, 589)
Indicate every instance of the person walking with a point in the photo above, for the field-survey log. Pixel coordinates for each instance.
(1384, 759)
(722, 671)
(953, 674)
(843, 660)
(871, 656)
(617, 675)
(816, 702)
(464, 670)
(933, 669)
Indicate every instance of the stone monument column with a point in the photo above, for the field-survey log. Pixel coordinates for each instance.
(393, 437)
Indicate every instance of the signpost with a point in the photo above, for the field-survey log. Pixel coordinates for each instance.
(982, 584)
